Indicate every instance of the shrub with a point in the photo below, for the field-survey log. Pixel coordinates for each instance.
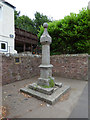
(69, 35)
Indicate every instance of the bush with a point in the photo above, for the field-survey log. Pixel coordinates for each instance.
(69, 35)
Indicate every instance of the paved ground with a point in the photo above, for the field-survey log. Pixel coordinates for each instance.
(22, 106)
(81, 109)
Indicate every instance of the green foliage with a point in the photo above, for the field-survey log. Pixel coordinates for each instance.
(16, 15)
(89, 25)
(89, 17)
(69, 35)
(51, 84)
(25, 23)
(40, 19)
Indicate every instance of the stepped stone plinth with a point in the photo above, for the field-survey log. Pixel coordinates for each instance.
(42, 89)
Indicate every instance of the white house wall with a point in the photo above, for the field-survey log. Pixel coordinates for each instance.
(7, 28)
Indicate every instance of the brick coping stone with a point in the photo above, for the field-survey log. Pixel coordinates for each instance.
(71, 55)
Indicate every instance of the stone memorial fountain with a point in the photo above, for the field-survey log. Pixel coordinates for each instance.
(46, 88)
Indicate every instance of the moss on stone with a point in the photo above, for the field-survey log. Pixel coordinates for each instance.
(51, 84)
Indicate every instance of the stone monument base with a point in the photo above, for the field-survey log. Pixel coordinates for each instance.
(49, 95)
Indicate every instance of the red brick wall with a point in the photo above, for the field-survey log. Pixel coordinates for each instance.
(72, 66)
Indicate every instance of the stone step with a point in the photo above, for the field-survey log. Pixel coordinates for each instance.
(38, 88)
(50, 99)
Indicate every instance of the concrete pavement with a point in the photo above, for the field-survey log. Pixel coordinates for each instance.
(22, 106)
(81, 109)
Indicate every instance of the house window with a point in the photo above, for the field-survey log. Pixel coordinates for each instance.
(3, 46)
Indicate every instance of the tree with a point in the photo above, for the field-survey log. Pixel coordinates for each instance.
(40, 19)
(16, 15)
(25, 23)
(69, 35)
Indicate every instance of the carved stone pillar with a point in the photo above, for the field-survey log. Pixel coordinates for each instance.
(45, 67)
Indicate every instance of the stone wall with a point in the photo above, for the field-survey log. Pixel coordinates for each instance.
(68, 66)
(27, 68)
(71, 66)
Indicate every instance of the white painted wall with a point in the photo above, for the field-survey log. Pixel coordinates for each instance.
(7, 28)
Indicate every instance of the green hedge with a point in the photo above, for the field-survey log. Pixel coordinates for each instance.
(70, 35)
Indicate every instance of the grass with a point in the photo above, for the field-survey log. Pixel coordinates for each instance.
(51, 84)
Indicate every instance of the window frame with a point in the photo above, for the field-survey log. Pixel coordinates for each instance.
(6, 46)
(3, 46)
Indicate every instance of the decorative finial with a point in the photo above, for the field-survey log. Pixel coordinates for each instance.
(45, 38)
(45, 25)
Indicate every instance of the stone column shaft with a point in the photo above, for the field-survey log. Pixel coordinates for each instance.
(46, 54)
